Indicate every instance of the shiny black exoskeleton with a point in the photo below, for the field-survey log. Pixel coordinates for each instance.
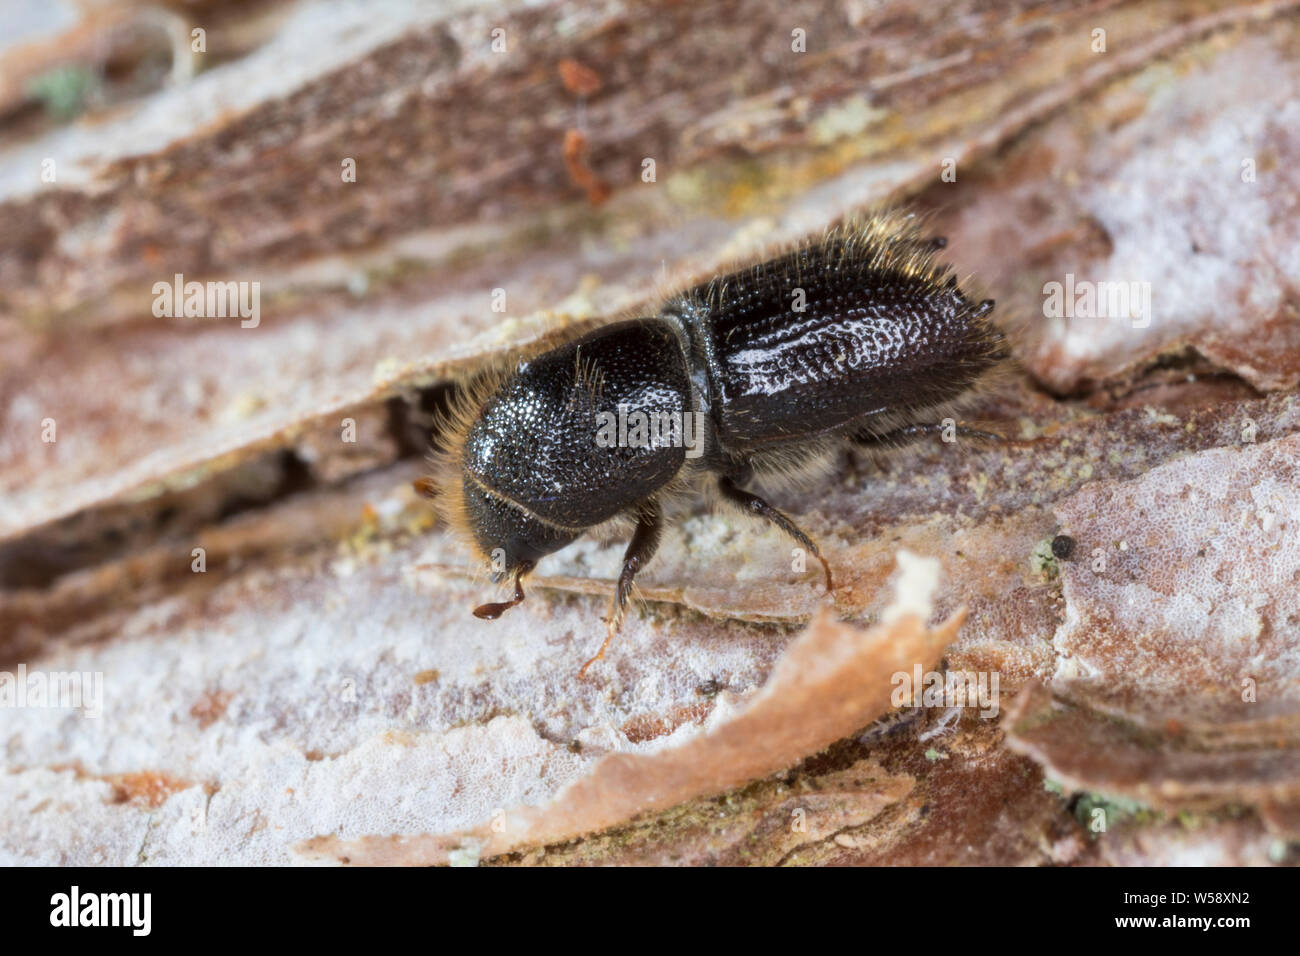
(859, 336)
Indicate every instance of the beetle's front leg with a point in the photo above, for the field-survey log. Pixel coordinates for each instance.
(642, 547)
(761, 509)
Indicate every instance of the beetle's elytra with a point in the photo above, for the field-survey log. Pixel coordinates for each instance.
(859, 336)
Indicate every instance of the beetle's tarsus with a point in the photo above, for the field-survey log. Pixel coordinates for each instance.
(644, 543)
(830, 584)
(600, 654)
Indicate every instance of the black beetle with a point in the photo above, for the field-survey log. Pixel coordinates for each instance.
(861, 335)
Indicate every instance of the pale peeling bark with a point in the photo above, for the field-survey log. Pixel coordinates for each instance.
(320, 691)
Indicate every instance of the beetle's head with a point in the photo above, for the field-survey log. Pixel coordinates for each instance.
(509, 536)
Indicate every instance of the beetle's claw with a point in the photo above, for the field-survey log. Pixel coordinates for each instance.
(830, 584)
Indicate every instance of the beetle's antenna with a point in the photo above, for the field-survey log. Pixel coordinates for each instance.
(490, 612)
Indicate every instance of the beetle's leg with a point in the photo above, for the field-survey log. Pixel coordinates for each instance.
(644, 543)
(908, 433)
(490, 612)
(761, 509)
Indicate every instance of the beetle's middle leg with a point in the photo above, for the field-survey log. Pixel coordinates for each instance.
(761, 509)
(642, 547)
